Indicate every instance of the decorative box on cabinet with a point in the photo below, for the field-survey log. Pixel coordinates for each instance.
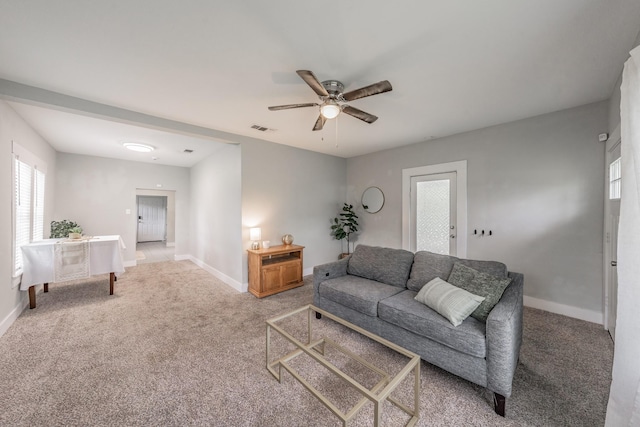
(276, 269)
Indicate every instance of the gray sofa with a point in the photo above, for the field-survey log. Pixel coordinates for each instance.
(375, 287)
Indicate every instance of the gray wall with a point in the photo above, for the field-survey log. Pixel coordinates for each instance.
(536, 183)
(13, 128)
(95, 192)
(289, 190)
(216, 215)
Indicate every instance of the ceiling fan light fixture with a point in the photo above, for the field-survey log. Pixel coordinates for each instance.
(140, 148)
(330, 110)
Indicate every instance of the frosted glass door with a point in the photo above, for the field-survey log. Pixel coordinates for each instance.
(433, 209)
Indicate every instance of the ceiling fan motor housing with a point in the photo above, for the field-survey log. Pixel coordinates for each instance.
(334, 87)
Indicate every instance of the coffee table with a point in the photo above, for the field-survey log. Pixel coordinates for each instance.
(315, 348)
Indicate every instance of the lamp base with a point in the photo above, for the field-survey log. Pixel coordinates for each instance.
(255, 245)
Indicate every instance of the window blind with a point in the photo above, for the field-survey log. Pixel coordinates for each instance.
(23, 174)
(38, 209)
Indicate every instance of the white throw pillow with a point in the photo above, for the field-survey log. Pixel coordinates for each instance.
(449, 301)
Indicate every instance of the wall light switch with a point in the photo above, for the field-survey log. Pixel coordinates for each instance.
(127, 211)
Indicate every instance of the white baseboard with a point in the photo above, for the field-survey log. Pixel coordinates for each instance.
(565, 310)
(183, 257)
(13, 315)
(216, 273)
(307, 271)
(171, 244)
(130, 263)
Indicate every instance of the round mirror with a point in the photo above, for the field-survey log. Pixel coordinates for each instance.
(372, 199)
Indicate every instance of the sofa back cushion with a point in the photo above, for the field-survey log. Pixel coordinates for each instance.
(385, 265)
(428, 265)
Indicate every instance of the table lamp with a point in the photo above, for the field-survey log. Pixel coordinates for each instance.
(255, 234)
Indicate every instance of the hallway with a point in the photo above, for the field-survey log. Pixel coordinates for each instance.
(148, 252)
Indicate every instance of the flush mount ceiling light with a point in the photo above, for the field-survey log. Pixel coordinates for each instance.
(136, 146)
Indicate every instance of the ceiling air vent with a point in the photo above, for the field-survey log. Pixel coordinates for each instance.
(260, 128)
(187, 150)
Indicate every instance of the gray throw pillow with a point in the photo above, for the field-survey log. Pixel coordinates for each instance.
(479, 283)
(449, 301)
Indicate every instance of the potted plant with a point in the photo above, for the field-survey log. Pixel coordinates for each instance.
(344, 225)
(75, 233)
(64, 228)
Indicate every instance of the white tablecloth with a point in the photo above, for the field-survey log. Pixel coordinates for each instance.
(38, 259)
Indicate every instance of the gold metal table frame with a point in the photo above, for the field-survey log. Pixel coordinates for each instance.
(315, 349)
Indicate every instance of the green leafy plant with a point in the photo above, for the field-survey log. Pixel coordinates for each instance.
(63, 228)
(345, 224)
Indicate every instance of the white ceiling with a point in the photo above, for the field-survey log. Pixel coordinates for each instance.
(455, 66)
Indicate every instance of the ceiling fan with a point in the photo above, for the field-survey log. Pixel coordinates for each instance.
(333, 99)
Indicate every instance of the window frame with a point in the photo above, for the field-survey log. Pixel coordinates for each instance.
(37, 202)
(615, 179)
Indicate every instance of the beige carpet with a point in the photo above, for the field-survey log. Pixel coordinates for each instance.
(175, 347)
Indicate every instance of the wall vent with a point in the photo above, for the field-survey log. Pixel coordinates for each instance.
(260, 128)
(188, 150)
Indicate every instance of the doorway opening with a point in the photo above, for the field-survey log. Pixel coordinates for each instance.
(155, 232)
(612, 217)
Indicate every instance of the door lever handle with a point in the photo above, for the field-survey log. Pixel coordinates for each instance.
(614, 263)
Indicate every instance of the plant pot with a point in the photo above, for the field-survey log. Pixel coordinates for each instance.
(75, 236)
(343, 255)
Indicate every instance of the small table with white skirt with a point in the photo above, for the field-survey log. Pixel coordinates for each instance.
(57, 260)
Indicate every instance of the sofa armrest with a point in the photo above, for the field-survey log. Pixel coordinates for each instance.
(328, 271)
(504, 337)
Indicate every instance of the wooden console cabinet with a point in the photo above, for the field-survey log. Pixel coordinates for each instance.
(274, 270)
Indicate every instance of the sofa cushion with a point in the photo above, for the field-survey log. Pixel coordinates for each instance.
(357, 293)
(386, 265)
(428, 265)
(404, 311)
(479, 283)
(451, 302)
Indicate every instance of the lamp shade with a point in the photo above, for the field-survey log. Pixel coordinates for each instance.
(255, 233)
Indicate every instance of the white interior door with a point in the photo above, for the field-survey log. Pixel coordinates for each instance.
(433, 213)
(152, 218)
(612, 217)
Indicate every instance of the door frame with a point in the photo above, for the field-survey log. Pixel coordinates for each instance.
(611, 144)
(460, 168)
(171, 212)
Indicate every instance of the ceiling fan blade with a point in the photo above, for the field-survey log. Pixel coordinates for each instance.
(359, 114)
(374, 89)
(313, 82)
(319, 123)
(289, 106)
